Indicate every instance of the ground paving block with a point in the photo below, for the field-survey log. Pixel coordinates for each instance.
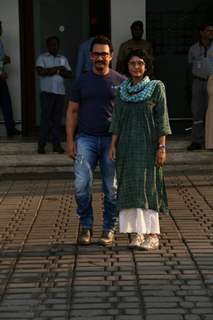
(165, 317)
(192, 317)
(41, 263)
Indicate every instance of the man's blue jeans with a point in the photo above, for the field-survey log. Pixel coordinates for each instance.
(90, 151)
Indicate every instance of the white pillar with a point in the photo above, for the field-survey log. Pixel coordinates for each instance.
(123, 13)
(9, 15)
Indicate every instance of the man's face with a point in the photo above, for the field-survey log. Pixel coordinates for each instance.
(53, 47)
(101, 57)
(137, 32)
(207, 33)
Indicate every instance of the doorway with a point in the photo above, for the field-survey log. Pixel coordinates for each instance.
(172, 32)
(71, 21)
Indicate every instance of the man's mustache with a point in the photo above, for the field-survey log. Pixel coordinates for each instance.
(100, 62)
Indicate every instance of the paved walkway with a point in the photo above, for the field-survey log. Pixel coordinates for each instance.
(45, 275)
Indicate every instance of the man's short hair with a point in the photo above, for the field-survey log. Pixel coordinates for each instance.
(137, 23)
(49, 39)
(204, 25)
(101, 40)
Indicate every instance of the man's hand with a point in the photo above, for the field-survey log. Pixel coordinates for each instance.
(160, 157)
(71, 149)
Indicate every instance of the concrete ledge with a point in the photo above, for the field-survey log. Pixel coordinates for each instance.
(8, 147)
(21, 157)
(54, 159)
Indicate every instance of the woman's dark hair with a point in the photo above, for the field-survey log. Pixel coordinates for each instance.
(101, 40)
(142, 54)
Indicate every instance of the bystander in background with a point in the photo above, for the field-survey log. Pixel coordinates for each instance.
(52, 68)
(5, 99)
(200, 58)
(137, 42)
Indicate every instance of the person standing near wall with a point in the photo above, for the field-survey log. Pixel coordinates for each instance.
(5, 99)
(52, 68)
(84, 63)
(137, 42)
(200, 58)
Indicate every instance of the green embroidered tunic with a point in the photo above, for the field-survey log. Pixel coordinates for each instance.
(139, 126)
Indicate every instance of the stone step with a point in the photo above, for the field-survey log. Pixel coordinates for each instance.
(19, 146)
(21, 157)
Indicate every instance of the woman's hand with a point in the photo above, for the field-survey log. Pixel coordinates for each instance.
(160, 157)
(112, 153)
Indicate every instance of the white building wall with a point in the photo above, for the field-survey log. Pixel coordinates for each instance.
(123, 13)
(9, 15)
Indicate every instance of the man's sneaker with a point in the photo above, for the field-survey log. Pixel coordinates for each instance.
(107, 237)
(150, 243)
(58, 148)
(85, 236)
(137, 241)
(194, 146)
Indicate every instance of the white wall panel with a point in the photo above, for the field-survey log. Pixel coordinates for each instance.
(123, 13)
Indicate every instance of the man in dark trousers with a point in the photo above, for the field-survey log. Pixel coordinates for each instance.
(200, 59)
(52, 68)
(89, 112)
(5, 100)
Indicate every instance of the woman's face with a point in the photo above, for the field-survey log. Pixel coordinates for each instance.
(136, 67)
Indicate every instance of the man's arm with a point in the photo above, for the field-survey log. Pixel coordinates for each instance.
(59, 70)
(71, 125)
(64, 72)
(46, 72)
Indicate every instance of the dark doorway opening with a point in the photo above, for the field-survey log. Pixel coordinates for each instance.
(100, 17)
(172, 32)
(41, 18)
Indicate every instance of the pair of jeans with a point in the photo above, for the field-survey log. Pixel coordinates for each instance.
(92, 150)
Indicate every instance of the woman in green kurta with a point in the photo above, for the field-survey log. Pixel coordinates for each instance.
(139, 127)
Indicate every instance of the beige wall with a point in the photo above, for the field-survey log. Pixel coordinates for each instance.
(123, 13)
(9, 15)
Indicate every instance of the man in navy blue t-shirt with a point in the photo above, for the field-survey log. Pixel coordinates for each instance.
(88, 139)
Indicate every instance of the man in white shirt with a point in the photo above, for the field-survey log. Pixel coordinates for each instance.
(52, 68)
(200, 59)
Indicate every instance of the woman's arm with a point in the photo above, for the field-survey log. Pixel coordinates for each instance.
(161, 152)
(112, 150)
